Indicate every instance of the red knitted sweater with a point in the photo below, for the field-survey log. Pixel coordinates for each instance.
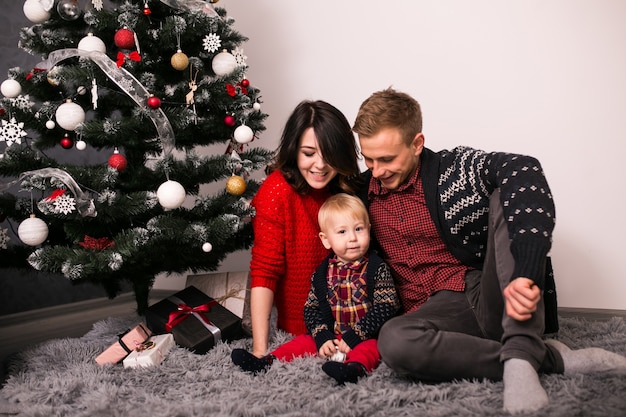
(286, 249)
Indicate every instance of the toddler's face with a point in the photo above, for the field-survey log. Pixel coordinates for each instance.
(348, 236)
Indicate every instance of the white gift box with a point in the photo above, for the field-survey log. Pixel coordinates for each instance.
(151, 352)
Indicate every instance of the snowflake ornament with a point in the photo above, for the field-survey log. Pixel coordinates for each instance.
(97, 4)
(4, 238)
(239, 56)
(64, 204)
(22, 102)
(212, 42)
(12, 132)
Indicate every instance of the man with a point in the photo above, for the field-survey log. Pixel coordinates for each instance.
(466, 234)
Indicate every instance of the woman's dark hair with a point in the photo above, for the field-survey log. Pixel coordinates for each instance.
(335, 139)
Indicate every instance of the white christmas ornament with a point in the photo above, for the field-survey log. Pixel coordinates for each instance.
(35, 12)
(243, 134)
(338, 357)
(81, 145)
(69, 115)
(171, 194)
(92, 43)
(256, 106)
(10, 88)
(207, 247)
(33, 231)
(223, 63)
(50, 124)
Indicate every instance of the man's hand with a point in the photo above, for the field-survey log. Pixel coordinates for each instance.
(521, 297)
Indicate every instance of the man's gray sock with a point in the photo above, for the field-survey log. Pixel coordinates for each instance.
(522, 390)
(588, 360)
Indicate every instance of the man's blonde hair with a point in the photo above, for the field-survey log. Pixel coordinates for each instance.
(342, 203)
(389, 109)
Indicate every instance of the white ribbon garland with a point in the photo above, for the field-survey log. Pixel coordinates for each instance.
(126, 82)
(192, 5)
(84, 205)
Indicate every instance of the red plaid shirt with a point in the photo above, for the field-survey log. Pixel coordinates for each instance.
(419, 260)
(347, 292)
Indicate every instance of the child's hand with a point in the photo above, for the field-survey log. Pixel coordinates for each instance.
(342, 346)
(328, 349)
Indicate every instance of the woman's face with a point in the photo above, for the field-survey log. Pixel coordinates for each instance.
(315, 171)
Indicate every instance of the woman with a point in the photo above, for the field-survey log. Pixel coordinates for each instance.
(316, 157)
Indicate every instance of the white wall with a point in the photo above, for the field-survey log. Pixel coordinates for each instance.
(540, 77)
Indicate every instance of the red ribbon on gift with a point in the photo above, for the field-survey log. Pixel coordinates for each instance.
(184, 311)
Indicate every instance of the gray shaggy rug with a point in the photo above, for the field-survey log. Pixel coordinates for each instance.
(60, 378)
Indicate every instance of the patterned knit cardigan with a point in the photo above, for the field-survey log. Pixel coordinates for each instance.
(381, 293)
(457, 186)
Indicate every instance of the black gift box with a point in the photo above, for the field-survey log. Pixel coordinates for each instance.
(192, 332)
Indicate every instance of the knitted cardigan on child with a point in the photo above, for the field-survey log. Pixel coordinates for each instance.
(286, 247)
(380, 291)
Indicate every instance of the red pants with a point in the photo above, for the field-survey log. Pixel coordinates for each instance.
(365, 353)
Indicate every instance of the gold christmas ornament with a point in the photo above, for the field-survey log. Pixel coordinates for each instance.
(179, 61)
(53, 77)
(235, 185)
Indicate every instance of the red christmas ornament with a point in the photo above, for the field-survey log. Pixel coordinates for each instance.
(117, 161)
(229, 120)
(66, 142)
(154, 102)
(245, 83)
(124, 39)
(2, 111)
(146, 10)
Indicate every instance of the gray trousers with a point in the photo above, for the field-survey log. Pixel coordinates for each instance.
(466, 335)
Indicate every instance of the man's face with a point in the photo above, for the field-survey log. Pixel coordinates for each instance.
(390, 159)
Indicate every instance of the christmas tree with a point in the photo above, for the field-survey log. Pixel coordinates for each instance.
(153, 88)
